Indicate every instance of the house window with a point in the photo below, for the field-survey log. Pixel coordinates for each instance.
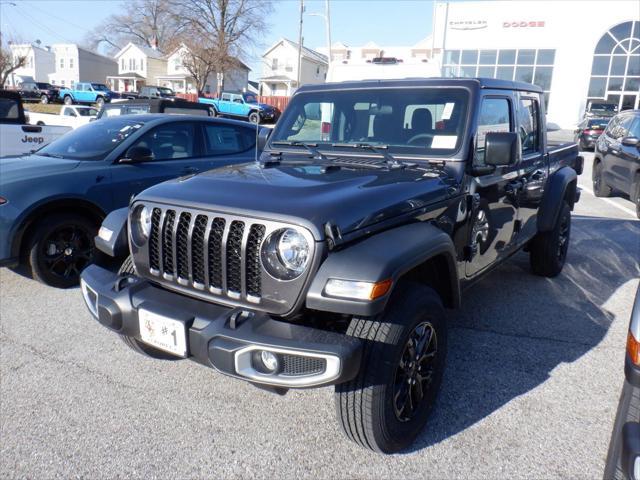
(62, 63)
(30, 62)
(62, 82)
(71, 63)
(71, 83)
(122, 65)
(318, 70)
(274, 64)
(142, 64)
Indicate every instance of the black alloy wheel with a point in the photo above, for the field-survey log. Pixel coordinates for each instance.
(60, 248)
(415, 371)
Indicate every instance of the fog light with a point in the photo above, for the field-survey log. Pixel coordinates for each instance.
(269, 360)
(105, 234)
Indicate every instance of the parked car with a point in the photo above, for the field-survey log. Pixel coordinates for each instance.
(73, 116)
(52, 201)
(600, 109)
(616, 163)
(587, 132)
(88, 92)
(155, 105)
(623, 458)
(244, 106)
(331, 261)
(149, 91)
(16, 136)
(37, 92)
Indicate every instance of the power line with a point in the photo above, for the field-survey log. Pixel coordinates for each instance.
(42, 26)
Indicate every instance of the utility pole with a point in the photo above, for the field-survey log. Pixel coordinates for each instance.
(300, 43)
(328, 20)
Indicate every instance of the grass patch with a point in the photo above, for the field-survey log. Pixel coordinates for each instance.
(42, 108)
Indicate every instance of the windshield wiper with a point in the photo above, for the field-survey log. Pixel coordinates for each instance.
(46, 154)
(311, 147)
(389, 159)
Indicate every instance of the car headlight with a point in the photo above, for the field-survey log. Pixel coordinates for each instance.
(141, 224)
(285, 254)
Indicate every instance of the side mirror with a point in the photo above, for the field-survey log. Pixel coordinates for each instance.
(501, 148)
(263, 137)
(137, 155)
(631, 141)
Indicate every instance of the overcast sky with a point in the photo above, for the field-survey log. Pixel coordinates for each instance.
(354, 22)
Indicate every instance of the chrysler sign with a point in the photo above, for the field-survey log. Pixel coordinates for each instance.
(468, 24)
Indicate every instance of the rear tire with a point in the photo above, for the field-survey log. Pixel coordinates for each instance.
(142, 348)
(60, 247)
(381, 409)
(548, 250)
(600, 188)
(44, 99)
(67, 100)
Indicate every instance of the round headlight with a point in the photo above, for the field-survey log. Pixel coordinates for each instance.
(141, 224)
(285, 254)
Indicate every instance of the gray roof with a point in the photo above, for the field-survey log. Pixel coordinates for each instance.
(307, 52)
(151, 52)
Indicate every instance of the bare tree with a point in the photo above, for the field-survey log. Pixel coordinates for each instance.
(9, 63)
(147, 23)
(218, 32)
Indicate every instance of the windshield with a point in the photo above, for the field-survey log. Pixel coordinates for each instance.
(422, 121)
(100, 87)
(87, 112)
(250, 98)
(43, 86)
(166, 91)
(607, 107)
(117, 110)
(93, 141)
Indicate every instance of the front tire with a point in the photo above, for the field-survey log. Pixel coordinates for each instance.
(600, 188)
(254, 117)
(60, 248)
(99, 102)
(548, 250)
(388, 404)
(134, 344)
(67, 100)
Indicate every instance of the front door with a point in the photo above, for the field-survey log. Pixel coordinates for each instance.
(494, 217)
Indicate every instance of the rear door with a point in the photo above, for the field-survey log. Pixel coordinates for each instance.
(616, 163)
(493, 222)
(628, 162)
(177, 150)
(533, 168)
(224, 105)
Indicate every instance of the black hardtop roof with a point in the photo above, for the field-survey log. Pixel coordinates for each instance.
(156, 101)
(168, 118)
(470, 83)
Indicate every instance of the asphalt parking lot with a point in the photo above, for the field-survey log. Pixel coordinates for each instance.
(534, 373)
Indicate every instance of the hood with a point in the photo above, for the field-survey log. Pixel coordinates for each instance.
(31, 167)
(265, 106)
(349, 199)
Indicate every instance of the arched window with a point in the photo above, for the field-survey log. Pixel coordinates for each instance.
(615, 72)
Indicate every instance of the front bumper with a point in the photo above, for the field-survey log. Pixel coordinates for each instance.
(224, 338)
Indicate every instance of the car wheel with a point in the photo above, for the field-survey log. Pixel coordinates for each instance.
(254, 117)
(600, 188)
(548, 250)
(388, 404)
(99, 102)
(212, 112)
(134, 344)
(60, 248)
(68, 100)
(44, 99)
(40, 123)
(628, 412)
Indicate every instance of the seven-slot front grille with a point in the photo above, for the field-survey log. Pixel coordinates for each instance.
(207, 252)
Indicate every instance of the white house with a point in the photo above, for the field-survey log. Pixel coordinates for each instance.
(280, 68)
(76, 64)
(137, 66)
(40, 63)
(179, 79)
(574, 54)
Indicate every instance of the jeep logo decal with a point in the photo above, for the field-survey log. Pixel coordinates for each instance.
(28, 139)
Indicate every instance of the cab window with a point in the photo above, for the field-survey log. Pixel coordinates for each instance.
(170, 141)
(227, 139)
(529, 125)
(495, 116)
(226, 97)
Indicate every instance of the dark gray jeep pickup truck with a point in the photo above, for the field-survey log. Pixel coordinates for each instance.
(331, 259)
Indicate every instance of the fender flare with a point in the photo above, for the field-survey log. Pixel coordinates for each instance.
(386, 255)
(563, 181)
(117, 244)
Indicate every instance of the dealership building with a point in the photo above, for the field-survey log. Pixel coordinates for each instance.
(576, 51)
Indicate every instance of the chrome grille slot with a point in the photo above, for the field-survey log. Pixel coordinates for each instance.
(154, 240)
(197, 250)
(215, 253)
(167, 243)
(182, 246)
(253, 268)
(234, 258)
